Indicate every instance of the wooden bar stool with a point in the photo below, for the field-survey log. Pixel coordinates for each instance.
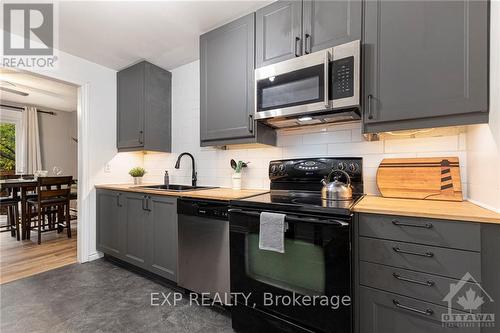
(11, 204)
(53, 198)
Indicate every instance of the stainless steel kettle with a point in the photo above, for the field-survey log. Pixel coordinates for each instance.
(336, 190)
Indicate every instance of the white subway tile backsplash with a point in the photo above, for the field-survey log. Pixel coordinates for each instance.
(431, 144)
(324, 140)
(327, 137)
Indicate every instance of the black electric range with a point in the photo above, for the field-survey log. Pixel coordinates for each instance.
(296, 186)
(317, 259)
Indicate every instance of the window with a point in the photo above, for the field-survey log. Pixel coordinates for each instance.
(10, 142)
(7, 148)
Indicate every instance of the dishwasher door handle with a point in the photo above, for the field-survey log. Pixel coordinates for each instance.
(292, 218)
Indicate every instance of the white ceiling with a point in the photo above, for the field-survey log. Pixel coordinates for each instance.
(117, 34)
(44, 93)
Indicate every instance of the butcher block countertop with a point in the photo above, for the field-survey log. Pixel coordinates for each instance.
(449, 210)
(220, 193)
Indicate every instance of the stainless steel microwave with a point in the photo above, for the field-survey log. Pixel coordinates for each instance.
(318, 87)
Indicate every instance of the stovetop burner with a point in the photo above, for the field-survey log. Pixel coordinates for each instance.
(296, 186)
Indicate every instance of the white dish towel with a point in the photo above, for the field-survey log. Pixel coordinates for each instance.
(272, 232)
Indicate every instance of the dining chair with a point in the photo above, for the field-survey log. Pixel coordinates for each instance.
(52, 202)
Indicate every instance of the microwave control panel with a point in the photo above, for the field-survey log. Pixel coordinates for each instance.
(342, 78)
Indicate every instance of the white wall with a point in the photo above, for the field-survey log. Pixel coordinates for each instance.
(56, 144)
(97, 140)
(483, 141)
(334, 140)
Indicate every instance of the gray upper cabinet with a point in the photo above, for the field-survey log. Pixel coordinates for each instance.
(162, 236)
(144, 108)
(329, 23)
(278, 32)
(227, 86)
(288, 29)
(425, 64)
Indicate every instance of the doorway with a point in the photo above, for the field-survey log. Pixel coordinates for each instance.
(39, 140)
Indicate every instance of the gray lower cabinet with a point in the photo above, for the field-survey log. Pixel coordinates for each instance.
(162, 236)
(408, 271)
(135, 228)
(382, 312)
(109, 209)
(425, 64)
(227, 86)
(144, 108)
(139, 229)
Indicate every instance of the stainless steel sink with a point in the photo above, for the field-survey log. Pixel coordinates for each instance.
(176, 188)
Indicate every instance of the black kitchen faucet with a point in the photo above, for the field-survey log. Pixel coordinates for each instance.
(178, 163)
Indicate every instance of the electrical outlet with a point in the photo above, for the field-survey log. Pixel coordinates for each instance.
(107, 168)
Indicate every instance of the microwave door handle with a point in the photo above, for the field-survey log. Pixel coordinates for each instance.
(326, 79)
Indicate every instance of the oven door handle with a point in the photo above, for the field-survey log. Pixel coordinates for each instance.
(292, 219)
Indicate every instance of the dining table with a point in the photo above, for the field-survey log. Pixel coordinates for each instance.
(20, 188)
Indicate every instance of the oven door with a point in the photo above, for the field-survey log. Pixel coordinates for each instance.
(293, 87)
(316, 264)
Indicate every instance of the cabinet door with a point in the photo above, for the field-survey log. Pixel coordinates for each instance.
(329, 23)
(226, 82)
(278, 32)
(130, 107)
(162, 233)
(424, 60)
(158, 114)
(134, 224)
(382, 312)
(109, 227)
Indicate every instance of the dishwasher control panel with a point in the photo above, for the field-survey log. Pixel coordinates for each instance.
(203, 208)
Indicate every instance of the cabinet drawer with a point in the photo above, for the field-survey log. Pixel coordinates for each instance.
(390, 313)
(422, 258)
(453, 234)
(423, 286)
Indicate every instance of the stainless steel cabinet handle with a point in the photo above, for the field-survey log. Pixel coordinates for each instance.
(370, 115)
(427, 312)
(148, 202)
(118, 202)
(297, 45)
(307, 49)
(423, 283)
(250, 123)
(426, 254)
(427, 225)
(144, 203)
(141, 137)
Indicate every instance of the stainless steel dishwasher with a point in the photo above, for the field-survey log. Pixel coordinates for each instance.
(203, 229)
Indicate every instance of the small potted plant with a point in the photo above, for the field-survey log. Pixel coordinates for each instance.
(236, 178)
(137, 173)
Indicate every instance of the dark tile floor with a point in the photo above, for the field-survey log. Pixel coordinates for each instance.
(99, 297)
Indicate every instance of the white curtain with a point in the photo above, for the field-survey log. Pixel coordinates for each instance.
(32, 158)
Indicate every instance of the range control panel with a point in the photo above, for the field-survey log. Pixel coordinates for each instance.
(313, 168)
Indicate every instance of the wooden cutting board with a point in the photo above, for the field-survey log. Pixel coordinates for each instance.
(433, 178)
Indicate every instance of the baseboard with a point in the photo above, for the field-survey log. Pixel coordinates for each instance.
(480, 204)
(95, 256)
